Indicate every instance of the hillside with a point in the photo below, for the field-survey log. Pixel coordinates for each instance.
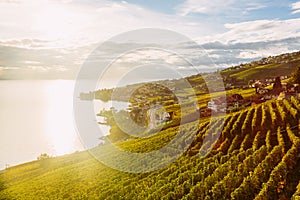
(256, 157)
(266, 68)
(237, 76)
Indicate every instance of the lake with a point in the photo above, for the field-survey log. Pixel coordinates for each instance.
(36, 117)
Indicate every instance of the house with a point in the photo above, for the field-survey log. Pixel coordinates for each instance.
(218, 104)
(157, 115)
(262, 91)
(228, 86)
(212, 105)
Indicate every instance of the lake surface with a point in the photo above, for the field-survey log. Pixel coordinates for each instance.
(37, 117)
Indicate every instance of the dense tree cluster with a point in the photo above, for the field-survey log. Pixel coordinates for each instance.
(296, 75)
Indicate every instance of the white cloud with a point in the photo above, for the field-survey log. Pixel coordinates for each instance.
(146, 56)
(219, 6)
(259, 31)
(204, 6)
(78, 23)
(9, 1)
(9, 68)
(254, 6)
(262, 52)
(59, 34)
(30, 62)
(295, 7)
(24, 43)
(37, 68)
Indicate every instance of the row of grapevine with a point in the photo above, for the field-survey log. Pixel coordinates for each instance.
(296, 195)
(252, 183)
(273, 189)
(256, 156)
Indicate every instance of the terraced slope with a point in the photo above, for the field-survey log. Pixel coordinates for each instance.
(255, 157)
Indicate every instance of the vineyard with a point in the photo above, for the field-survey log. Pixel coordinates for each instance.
(256, 156)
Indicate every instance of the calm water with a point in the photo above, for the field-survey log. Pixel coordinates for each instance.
(37, 117)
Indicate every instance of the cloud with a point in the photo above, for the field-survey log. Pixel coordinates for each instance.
(25, 43)
(254, 6)
(204, 6)
(65, 63)
(295, 7)
(219, 6)
(78, 23)
(9, 1)
(23, 63)
(247, 41)
(259, 30)
(221, 53)
(232, 53)
(52, 38)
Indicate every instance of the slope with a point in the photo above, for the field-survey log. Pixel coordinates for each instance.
(256, 157)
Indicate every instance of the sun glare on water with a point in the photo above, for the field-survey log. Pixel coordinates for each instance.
(60, 129)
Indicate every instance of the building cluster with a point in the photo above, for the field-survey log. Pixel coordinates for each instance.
(223, 104)
(236, 101)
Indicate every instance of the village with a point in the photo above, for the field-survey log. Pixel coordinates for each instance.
(156, 115)
(264, 90)
(158, 103)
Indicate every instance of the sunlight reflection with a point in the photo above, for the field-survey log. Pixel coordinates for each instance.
(59, 121)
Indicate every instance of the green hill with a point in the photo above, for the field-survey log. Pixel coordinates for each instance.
(256, 157)
(237, 76)
(266, 68)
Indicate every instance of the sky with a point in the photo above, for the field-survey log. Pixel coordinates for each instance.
(51, 39)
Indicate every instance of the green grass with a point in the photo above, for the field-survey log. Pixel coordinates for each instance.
(264, 71)
(245, 162)
(240, 153)
(203, 99)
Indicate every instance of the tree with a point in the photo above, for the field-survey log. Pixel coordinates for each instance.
(277, 83)
(295, 76)
(116, 134)
(43, 156)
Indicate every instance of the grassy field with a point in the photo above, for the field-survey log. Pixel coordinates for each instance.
(250, 154)
(262, 72)
(256, 156)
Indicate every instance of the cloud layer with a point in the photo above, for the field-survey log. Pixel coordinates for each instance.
(295, 7)
(215, 7)
(52, 38)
